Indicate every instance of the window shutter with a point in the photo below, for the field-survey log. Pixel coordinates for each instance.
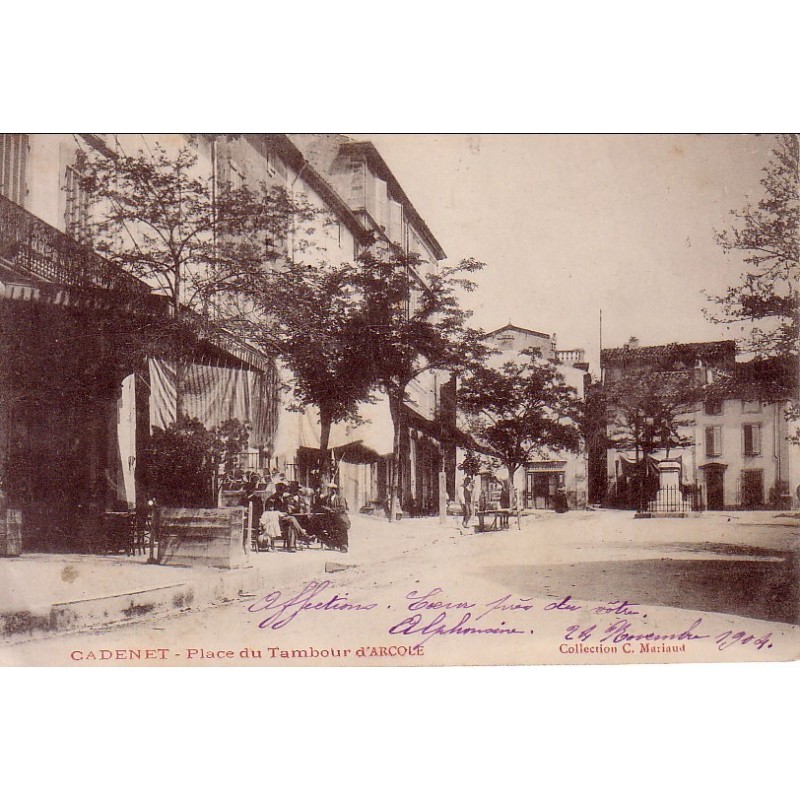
(13, 166)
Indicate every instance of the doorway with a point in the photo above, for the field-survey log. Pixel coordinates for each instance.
(752, 488)
(541, 488)
(715, 489)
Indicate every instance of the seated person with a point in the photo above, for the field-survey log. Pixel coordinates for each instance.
(289, 525)
(269, 525)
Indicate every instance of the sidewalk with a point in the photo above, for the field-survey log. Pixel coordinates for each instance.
(45, 594)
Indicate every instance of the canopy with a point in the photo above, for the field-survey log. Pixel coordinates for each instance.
(214, 394)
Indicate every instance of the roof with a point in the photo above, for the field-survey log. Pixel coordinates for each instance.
(511, 327)
(767, 379)
(323, 149)
(687, 352)
(289, 151)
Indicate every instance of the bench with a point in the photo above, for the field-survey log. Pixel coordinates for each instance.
(499, 519)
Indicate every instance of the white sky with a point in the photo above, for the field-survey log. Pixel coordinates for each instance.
(568, 225)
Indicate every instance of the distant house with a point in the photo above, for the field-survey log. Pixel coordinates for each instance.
(541, 478)
(739, 456)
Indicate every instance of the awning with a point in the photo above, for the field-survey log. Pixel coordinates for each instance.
(215, 394)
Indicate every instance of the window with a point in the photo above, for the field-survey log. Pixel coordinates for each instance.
(713, 407)
(76, 213)
(714, 441)
(752, 440)
(13, 158)
(751, 406)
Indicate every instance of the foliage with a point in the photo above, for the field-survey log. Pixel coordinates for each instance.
(230, 438)
(205, 245)
(312, 321)
(521, 408)
(178, 229)
(647, 409)
(411, 322)
(183, 459)
(768, 234)
(472, 464)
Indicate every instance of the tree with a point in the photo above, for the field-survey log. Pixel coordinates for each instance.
(768, 234)
(311, 318)
(472, 464)
(411, 322)
(521, 408)
(646, 410)
(183, 460)
(204, 245)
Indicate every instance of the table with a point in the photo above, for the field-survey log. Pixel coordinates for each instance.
(499, 522)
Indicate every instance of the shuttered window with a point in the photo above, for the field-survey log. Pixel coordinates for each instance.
(76, 213)
(13, 161)
(714, 441)
(752, 440)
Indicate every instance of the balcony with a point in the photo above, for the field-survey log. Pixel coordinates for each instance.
(31, 246)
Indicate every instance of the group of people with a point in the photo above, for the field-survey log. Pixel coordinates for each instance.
(279, 507)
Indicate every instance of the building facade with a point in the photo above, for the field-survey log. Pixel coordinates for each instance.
(362, 178)
(739, 455)
(77, 405)
(80, 387)
(551, 473)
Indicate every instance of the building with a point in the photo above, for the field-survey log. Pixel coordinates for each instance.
(739, 454)
(362, 178)
(77, 406)
(81, 387)
(545, 476)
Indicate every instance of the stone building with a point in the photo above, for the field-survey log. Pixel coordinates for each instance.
(78, 403)
(543, 477)
(363, 179)
(80, 386)
(739, 454)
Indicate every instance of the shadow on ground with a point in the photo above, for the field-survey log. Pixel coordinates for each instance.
(761, 589)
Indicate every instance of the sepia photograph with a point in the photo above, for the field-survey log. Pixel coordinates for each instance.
(344, 400)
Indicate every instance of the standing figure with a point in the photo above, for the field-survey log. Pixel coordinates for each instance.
(466, 490)
(338, 521)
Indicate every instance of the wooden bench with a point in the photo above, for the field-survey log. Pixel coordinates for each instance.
(499, 519)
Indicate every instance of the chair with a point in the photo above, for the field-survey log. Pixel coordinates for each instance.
(141, 533)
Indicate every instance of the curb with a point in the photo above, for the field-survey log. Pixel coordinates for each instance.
(197, 592)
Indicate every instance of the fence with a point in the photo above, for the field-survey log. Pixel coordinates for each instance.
(673, 500)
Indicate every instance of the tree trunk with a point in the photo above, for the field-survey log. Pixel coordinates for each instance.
(325, 423)
(395, 484)
(512, 471)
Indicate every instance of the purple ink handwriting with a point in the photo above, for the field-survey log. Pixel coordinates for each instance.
(730, 638)
(283, 611)
(617, 608)
(440, 624)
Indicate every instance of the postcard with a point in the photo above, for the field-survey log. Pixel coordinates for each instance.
(398, 400)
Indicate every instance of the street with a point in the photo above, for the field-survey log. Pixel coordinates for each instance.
(582, 587)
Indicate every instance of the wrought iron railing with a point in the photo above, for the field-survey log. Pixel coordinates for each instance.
(30, 244)
(673, 500)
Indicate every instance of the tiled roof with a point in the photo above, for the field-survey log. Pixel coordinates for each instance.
(685, 352)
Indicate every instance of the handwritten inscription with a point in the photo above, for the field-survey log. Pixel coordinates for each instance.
(283, 611)
(730, 638)
(431, 613)
(456, 625)
(616, 607)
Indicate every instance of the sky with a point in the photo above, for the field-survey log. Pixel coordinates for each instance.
(570, 225)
